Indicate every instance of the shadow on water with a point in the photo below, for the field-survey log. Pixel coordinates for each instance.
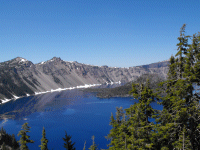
(20, 108)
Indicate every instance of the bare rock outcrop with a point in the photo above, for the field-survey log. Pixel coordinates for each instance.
(19, 77)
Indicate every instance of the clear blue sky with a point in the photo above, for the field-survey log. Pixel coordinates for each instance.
(119, 33)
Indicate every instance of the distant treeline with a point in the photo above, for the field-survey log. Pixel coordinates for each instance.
(123, 91)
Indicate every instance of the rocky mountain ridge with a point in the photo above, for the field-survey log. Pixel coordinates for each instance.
(20, 77)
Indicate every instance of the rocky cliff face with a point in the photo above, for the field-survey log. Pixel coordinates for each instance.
(20, 77)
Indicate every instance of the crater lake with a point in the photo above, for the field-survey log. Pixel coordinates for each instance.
(80, 114)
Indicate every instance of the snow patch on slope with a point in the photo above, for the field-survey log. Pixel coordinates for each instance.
(23, 60)
(52, 90)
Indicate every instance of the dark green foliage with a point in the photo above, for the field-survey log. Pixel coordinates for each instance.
(44, 140)
(182, 49)
(179, 120)
(132, 129)
(24, 139)
(8, 140)
(68, 143)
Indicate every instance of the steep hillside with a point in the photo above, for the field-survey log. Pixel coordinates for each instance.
(20, 77)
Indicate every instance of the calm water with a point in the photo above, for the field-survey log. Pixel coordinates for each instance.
(80, 114)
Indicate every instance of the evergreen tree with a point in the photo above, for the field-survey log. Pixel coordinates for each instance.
(4, 147)
(68, 143)
(44, 141)
(24, 139)
(182, 49)
(139, 116)
(164, 122)
(177, 125)
(116, 132)
(8, 140)
(133, 130)
(179, 119)
(15, 145)
(93, 146)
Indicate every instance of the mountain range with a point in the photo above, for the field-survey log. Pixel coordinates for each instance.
(20, 77)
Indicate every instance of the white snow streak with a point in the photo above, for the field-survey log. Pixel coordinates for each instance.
(53, 90)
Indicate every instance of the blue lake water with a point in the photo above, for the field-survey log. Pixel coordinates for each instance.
(79, 113)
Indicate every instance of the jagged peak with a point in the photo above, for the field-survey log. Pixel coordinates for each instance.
(17, 60)
(20, 59)
(56, 59)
